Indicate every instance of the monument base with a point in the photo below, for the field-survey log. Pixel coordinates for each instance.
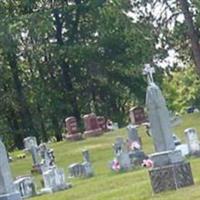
(171, 177)
(93, 133)
(74, 137)
(56, 188)
(195, 154)
(137, 157)
(166, 158)
(12, 196)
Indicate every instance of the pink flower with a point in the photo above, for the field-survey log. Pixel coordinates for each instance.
(135, 145)
(147, 163)
(116, 165)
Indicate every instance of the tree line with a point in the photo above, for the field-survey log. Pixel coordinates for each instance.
(68, 57)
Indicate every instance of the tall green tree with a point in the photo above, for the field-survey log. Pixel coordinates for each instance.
(59, 57)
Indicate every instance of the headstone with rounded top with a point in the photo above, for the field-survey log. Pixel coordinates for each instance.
(72, 129)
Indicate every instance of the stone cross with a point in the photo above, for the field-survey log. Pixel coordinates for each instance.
(30, 144)
(149, 71)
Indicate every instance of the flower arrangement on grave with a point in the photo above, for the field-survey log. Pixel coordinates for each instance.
(21, 156)
(148, 163)
(134, 145)
(115, 165)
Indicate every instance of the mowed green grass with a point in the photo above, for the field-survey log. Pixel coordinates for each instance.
(107, 185)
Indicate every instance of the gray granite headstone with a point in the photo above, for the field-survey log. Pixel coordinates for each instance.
(25, 186)
(132, 133)
(30, 144)
(76, 170)
(82, 169)
(184, 149)
(121, 154)
(47, 157)
(54, 180)
(159, 119)
(86, 155)
(7, 188)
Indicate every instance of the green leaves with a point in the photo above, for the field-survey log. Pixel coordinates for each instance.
(67, 55)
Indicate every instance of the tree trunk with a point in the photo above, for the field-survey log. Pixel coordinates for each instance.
(15, 129)
(67, 83)
(192, 32)
(42, 125)
(25, 115)
(56, 128)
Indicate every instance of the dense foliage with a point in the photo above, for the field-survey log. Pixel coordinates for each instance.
(60, 58)
(71, 57)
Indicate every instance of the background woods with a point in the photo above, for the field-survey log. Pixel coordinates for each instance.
(68, 57)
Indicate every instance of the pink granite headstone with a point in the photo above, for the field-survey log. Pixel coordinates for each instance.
(137, 115)
(91, 124)
(102, 122)
(72, 129)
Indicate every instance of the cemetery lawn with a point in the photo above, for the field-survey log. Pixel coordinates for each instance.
(107, 185)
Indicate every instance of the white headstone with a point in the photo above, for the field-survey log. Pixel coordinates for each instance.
(25, 186)
(192, 141)
(30, 144)
(183, 148)
(54, 180)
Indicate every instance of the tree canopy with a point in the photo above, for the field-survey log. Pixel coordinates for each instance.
(69, 57)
